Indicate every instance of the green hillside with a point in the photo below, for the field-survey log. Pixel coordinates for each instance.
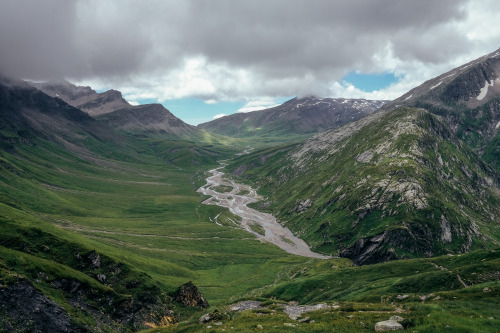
(397, 184)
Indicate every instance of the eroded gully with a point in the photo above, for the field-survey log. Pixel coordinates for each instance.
(237, 200)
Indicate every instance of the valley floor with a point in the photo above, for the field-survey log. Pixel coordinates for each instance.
(264, 226)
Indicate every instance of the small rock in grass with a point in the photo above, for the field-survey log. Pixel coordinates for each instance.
(388, 325)
(218, 324)
(260, 327)
(486, 290)
(305, 320)
(399, 319)
(289, 325)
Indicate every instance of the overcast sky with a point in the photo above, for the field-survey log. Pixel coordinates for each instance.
(243, 53)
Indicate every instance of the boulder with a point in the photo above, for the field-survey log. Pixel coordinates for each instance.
(388, 325)
(189, 295)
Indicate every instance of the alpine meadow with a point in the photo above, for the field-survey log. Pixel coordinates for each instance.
(318, 204)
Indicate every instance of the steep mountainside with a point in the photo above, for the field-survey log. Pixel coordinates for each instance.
(298, 116)
(148, 118)
(27, 113)
(54, 159)
(84, 98)
(394, 184)
(468, 97)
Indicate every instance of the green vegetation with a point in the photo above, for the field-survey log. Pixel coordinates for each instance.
(139, 211)
(108, 225)
(257, 228)
(425, 292)
(405, 180)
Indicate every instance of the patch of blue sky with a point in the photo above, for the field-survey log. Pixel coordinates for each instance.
(195, 111)
(370, 82)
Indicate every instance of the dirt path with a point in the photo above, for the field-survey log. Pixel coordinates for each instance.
(237, 204)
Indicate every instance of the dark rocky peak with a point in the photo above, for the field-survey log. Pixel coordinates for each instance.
(84, 98)
(151, 118)
(473, 84)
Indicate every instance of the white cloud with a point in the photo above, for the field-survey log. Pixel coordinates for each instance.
(220, 115)
(223, 50)
(133, 102)
(259, 104)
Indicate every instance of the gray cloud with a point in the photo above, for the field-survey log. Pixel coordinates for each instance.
(249, 48)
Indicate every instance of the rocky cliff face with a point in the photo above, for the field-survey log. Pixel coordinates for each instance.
(27, 113)
(84, 98)
(148, 118)
(298, 116)
(395, 184)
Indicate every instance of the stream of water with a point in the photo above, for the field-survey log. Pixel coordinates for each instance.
(237, 200)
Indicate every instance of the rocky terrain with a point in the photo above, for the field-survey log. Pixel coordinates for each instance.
(396, 184)
(148, 118)
(298, 116)
(84, 98)
(236, 200)
(468, 97)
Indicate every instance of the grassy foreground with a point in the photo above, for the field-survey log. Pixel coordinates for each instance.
(445, 294)
(137, 208)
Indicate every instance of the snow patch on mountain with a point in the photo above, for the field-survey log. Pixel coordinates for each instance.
(484, 90)
(437, 85)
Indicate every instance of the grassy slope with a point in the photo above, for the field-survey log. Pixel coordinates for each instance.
(368, 294)
(137, 206)
(347, 203)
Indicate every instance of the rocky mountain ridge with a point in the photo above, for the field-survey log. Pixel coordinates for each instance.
(298, 116)
(468, 97)
(395, 184)
(148, 118)
(84, 98)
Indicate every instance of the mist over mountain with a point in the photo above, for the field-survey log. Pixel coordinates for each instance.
(401, 182)
(84, 98)
(122, 218)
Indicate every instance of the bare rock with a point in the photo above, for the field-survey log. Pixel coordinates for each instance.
(399, 319)
(388, 325)
(25, 309)
(94, 259)
(303, 205)
(189, 295)
(101, 278)
(214, 316)
(365, 157)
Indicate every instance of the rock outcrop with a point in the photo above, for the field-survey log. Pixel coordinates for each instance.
(189, 295)
(23, 306)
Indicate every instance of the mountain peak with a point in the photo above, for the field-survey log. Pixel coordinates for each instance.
(300, 116)
(84, 98)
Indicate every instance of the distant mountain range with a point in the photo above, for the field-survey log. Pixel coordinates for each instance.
(296, 117)
(113, 110)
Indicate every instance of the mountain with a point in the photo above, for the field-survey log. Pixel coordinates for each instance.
(296, 117)
(468, 97)
(84, 98)
(148, 118)
(27, 114)
(395, 184)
